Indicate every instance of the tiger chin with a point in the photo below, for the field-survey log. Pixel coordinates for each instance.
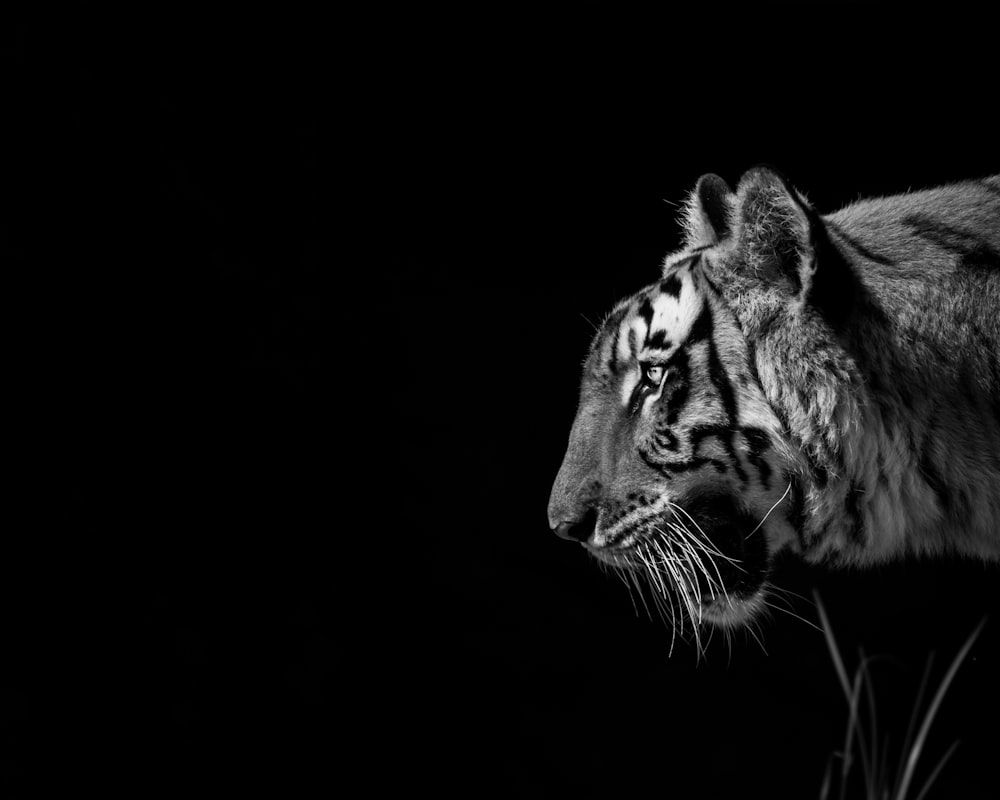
(825, 385)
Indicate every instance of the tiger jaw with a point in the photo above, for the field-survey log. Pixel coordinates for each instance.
(710, 566)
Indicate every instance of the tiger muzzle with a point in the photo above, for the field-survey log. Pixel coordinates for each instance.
(731, 530)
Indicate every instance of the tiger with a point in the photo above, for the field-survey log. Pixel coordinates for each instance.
(824, 385)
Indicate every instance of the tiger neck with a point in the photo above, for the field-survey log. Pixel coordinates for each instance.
(880, 475)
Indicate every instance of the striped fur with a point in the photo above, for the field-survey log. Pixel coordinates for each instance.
(828, 385)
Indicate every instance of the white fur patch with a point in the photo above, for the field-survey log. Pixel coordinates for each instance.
(628, 385)
(624, 354)
(639, 330)
(674, 316)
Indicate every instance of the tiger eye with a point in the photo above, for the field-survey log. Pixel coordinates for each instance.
(653, 374)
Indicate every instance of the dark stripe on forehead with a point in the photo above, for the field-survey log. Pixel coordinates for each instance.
(611, 328)
(658, 340)
(671, 286)
(633, 343)
(720, 379)
(646, 313)
(757, 443)
(678, 385)
(702, 327)
(613, 363)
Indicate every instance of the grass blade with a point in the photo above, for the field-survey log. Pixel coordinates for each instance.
(831, 643)
(912, 726)
(875, 777)
(918, 744)
(937, 770)
(824, 790)
(853, 726)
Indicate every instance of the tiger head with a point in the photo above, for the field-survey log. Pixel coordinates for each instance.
(676, 470)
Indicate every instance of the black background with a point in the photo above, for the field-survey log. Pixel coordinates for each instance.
(317, 347)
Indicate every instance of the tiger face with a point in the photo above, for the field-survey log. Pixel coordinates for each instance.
(673, 470)
(822, 384)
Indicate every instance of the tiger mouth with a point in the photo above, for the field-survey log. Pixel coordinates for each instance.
(716, 555)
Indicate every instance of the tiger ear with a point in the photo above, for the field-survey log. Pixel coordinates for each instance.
(708, 212)
(776, 231)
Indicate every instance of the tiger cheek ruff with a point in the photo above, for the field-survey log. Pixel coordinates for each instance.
(825, 385)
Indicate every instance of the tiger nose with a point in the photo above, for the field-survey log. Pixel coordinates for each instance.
(577, 530)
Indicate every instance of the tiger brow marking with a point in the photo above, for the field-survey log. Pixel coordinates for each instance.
(717, 375)
(757, 442)
(703, 326)
(658, 340)
(680, 386)
(613, 364)
(672, 286)
(646, 312)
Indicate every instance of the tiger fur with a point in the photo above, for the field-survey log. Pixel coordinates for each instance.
(822, 384)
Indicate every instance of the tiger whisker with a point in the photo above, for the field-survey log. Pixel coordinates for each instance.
(793, 614)
(685, 541)
(688, 596)
(677, 571)
(675, 507)
(642, 596)
(676, 564)
(663, 602)
(655, 577)
(622, 573)
(778, 503)
(679, 566)
(704, 541)
(671, 569)
(752, 627)
(785, 594)
(691, 578)
(653, 564)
